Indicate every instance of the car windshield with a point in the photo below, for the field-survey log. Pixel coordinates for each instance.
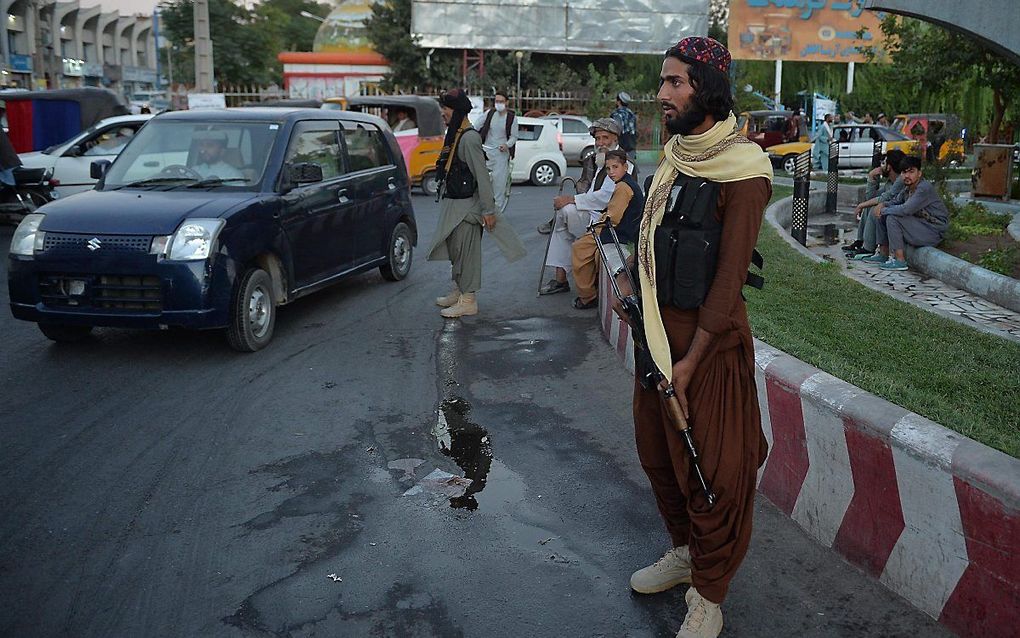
(893, 136)
(173, 153)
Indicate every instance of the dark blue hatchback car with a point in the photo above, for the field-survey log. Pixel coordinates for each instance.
(212, 219)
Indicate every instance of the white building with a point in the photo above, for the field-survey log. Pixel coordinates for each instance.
(50, 44)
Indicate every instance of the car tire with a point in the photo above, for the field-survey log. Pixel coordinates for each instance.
(399, 254)
(63, 333)
(790, 163)
(587, 152)
(429, 185)
(252, 312)
(544, 174)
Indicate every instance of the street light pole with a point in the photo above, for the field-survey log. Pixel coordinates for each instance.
(312, 16)
(520, 103)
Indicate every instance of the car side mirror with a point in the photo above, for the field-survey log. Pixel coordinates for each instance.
(97, 169)
(304, 173)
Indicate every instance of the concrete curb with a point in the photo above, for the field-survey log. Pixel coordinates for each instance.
(996, 288)
(780, 216)
(932, 515)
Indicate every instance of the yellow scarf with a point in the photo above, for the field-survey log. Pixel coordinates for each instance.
(719, 154)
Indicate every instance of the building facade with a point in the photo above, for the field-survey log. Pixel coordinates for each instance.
(50, 44)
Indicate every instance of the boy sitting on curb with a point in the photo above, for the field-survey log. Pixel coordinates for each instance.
(918, 217)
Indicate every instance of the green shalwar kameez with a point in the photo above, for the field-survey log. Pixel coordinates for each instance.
(459, 235)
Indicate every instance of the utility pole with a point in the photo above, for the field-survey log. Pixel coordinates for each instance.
(204, 81)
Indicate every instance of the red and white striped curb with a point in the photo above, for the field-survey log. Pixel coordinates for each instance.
(932, 514)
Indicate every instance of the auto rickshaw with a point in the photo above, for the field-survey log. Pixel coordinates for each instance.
(766, 128)
(37, 120)
(420, 145)
(940, 134)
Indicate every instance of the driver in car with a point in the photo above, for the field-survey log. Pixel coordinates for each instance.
(211, 148)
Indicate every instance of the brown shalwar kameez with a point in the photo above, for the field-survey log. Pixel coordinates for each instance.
(723, 409)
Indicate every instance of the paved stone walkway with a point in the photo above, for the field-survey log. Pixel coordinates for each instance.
(926, 292)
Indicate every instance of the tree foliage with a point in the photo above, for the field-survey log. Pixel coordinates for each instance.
(245, 41)
(926, 57)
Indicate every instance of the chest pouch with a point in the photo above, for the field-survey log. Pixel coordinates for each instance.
(687, 243)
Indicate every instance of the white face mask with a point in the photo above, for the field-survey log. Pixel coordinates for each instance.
(500, 107)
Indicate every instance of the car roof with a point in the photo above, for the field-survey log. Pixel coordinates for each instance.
(125, 119)
(268, 114)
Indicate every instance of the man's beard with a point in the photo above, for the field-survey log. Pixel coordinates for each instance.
(689, 119)
(600, 155)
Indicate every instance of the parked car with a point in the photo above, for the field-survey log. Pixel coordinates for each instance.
(70, 160)
(578, 143)
(212, 219)
(764, 128)
(856, 145)
(538, 159)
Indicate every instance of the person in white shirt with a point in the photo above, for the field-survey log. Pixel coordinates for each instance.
(574, 213)
(404, 122)
(211, 148)
(498, 127)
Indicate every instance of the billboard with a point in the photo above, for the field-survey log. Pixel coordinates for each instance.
(553, 26)
(802, 30)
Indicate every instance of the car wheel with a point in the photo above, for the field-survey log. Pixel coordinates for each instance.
(63, 333)
(587, 152)
(544, 174)
(790, 163)
(429, 185)
(252, 313)
(400, 252)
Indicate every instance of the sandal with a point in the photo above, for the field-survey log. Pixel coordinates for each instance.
(582, 305)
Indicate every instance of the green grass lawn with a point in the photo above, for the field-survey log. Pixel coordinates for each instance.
(954, 375)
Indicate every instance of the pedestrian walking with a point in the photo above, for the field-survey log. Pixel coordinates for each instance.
(695, 321)
(467, 209)
(820, 147)
(627, 120)
(498, 128)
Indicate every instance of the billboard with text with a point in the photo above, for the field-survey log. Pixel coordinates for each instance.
(802, 30)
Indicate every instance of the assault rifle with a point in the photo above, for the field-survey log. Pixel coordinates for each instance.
(654, 378)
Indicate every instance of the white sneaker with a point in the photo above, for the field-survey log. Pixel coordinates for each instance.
(704, 618)
(667, 572)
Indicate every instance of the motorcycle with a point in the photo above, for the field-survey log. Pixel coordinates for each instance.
(32, 189)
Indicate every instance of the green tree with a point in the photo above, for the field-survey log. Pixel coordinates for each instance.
(297, 33)
(245, 41)
(928, 58)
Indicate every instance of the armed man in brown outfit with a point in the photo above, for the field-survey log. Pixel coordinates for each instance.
(695, 245)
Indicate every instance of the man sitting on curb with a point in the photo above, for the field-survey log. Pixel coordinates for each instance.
(884, 185)
(918, 217)
(574, 213)
(624, 212)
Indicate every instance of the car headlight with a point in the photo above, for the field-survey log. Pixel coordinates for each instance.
(194, 239)
(28, 238)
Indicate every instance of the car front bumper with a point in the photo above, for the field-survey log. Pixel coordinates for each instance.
(121, 290)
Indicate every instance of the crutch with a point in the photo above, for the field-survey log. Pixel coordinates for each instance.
(541, 270)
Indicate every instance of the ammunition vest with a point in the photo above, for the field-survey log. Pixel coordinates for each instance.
(687, 245)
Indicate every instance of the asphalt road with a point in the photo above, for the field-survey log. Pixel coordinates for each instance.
(159, 484)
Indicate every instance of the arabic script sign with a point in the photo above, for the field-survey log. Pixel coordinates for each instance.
(802, 30)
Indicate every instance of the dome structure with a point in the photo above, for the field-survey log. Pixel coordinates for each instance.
(343, 30)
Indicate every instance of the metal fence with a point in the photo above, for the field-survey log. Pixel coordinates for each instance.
(531, 102)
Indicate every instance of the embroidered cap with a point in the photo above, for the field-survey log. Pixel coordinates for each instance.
(704, 50)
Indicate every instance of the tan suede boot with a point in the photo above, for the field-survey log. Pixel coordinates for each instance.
(667, 572)
(704, 618)
(466, 305)
(450, 298)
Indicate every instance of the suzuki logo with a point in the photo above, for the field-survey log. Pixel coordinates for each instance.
(94, 244)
